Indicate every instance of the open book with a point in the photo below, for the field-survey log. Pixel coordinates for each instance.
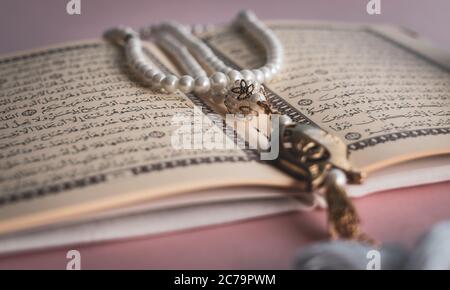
(81, 139)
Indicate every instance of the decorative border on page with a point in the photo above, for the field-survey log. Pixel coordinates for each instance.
(103, 177)
(369, 142)
(286, 108)
(250, 155)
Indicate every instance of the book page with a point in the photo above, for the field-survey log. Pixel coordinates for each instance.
(386, 102)
(78, 134)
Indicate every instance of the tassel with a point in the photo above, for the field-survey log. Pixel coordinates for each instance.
(431, 252)
(343, 218)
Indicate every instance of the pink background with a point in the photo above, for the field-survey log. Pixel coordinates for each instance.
(398, 215)
(26, 24)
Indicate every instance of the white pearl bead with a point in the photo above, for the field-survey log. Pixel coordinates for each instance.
(219, 81)
(234, 75)
(337, 176)
(202, 85)
(247, 75)
(267, 73)
(247, 15)
(145, 68)
(226, 70)
(186, 84)
(138, 61)
(157, 79)
(277, 66)
(170, 83)
(120, 34)
(149, 74)
(220, 66)
(259, 76)
(198, 73)
(139, 66)
(273, 69)
(135, 42)
(215, 63)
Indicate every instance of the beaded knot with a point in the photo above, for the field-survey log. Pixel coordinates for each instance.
(244, 90)
(247, 98)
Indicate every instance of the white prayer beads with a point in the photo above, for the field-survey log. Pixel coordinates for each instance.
(190, 51)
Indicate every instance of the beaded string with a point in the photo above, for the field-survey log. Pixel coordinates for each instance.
(193, 51)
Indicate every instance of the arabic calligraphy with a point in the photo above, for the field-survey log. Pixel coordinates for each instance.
(349, 81)
(76, 113)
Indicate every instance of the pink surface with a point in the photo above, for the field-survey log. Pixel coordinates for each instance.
(266, 243)
(26, 24)
(399, 215)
